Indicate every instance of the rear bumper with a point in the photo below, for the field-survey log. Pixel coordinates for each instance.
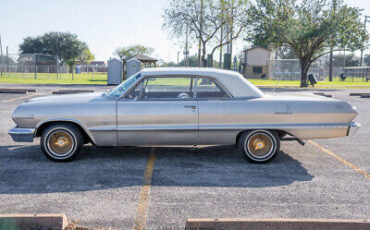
(353, 128)
(22, 134)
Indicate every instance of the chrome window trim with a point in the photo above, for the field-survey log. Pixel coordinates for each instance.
(124, 94)
(143, 78)
(218, 84)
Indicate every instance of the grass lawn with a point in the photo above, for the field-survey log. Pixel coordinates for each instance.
(45, 78)
(101, 78)
(322, 84)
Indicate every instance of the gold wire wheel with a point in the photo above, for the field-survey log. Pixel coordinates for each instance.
(260, 145)
(60, 142)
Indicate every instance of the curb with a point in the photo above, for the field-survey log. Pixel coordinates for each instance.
(323, 94)
(17, 90)
(365, 95)
(70, 91)
(355, 94)
(51, 85)
(33, 221)
(276, 224)
(316, 87)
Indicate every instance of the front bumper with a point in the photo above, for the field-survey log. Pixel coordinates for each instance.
(353, 128)
(22, 134)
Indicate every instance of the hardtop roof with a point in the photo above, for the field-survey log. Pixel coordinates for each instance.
(234, 82)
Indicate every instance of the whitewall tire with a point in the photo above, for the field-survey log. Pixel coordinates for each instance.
(61, 142)
(259, 146)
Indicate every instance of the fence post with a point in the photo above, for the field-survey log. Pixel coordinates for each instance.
(35, 66)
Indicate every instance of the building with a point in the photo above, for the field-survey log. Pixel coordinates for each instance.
(145, 60)
(255, 62)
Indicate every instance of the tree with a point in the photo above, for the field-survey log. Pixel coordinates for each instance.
(204, 19)
(308, 27)
(350, 60)
(192, 60)
(65, 45)
(367, 59)
(127, 51)
(169, 64)
(233, 16)
(87, 56)
(286, 53)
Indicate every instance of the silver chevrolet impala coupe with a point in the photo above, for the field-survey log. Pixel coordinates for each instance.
(181, 106)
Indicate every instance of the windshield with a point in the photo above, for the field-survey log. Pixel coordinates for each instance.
(121, 88)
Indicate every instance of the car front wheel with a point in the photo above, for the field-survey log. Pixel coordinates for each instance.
(61, 142)
(259, 146)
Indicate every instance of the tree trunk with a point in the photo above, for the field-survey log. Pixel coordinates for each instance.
(200, 61)
(199, 54)
(71, 70)
(303, 78)
(305, 66)
(204, 55)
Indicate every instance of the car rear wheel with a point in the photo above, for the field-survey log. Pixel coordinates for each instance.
(61, 142)
(259, 146)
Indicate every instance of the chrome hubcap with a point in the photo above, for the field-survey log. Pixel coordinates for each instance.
(260, 145)
(60, 142)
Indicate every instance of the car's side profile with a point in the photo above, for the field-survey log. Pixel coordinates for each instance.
(180, 106)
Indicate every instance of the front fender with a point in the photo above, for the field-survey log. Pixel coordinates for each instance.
(76, 122)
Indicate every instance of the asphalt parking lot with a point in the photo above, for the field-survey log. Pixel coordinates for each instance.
(161, 187)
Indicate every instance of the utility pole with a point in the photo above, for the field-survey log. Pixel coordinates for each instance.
(367, 19)
(231, 28)
(7, 60)
(331, 46)
(227, 26)
(200, 34)
(221, 32)
(1, 58)
(186, 52)
(186, 62)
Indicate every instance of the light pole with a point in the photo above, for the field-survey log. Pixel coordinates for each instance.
(1, 58)
(367, 19)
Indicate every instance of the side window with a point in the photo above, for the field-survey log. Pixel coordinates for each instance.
(136, 92)
(208, 88)
(180, 88)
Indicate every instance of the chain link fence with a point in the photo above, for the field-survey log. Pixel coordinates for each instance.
(47, 67)
(290, 69)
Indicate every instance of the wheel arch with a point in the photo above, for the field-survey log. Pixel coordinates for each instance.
(279, 132)
(44, 124)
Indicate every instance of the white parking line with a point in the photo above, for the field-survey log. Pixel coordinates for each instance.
(330, 153)
(142, 208)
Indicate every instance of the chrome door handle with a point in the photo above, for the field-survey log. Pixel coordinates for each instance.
(190, 106)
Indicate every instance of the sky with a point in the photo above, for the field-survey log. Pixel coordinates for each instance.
(104, 25)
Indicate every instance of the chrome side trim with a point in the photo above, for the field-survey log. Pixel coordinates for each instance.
(157, 128)
(22, 134)
(353, 128)
(273, 126)
(220, 127)
(103, 129)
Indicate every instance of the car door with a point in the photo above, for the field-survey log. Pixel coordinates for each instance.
(216, 112)
(159, 111)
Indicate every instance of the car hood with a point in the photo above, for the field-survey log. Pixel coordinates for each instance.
(67, 98)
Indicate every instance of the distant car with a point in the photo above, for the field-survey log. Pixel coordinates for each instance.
(180, 106)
